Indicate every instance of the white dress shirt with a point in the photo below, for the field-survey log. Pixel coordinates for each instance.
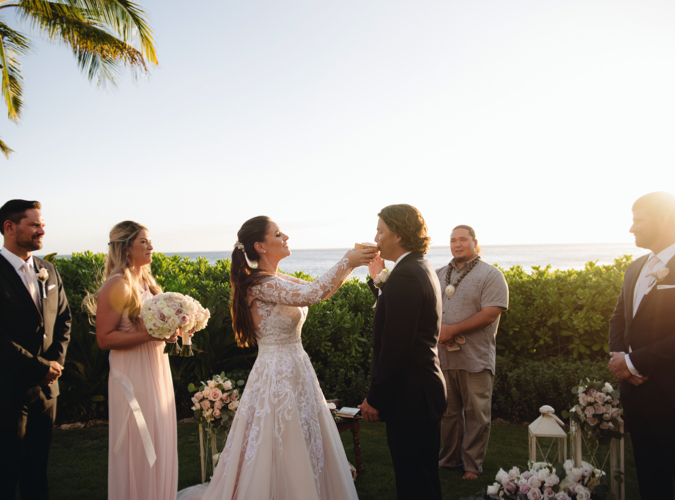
(17, 263)
(379, 292)
(663, 257)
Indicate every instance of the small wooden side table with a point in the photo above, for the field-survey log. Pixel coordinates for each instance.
(352, 424)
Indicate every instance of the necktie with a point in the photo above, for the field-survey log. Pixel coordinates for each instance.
(30, 285)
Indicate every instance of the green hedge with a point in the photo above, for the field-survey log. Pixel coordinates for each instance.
(553, 314)
(522, 386)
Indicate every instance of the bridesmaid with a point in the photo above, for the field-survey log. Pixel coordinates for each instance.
(142, 453)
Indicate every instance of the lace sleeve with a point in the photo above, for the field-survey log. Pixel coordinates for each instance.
(282, 291)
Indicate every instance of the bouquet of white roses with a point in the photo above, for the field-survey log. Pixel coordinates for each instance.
(542, 481)
(598, 412)
(163, 314)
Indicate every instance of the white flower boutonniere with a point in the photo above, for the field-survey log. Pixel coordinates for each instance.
(658, 276)
(43, 276)
(381, 279)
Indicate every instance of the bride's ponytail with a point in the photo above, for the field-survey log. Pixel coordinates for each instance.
(243, 275)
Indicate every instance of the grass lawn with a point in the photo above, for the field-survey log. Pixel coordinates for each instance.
(79, 461)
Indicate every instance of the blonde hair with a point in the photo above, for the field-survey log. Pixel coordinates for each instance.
(122, 237)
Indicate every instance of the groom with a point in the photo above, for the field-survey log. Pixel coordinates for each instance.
(34, 334)
(407, 389)
(642, 345)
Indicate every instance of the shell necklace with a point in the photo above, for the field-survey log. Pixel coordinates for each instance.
(450, 287)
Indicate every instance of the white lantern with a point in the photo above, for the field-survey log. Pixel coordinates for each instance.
(548, 439)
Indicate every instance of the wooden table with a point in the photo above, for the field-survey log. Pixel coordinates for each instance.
(352, 424)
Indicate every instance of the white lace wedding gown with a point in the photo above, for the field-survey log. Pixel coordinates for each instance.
(283, 444)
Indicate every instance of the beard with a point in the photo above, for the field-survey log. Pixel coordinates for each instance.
(461, 259)
(29, 243)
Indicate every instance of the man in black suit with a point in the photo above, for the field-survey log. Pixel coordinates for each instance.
(407, 389)
(34, 333)
(642, 345)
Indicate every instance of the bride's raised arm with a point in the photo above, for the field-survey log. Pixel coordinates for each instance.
(293, 293)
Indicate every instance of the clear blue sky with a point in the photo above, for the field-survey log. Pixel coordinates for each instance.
(534, 121)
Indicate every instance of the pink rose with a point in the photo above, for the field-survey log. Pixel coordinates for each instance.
(534, 494)
(600, 397)
(562, 496)
(184, 320)
(215, 394)
(592, 393)
(592, 421)
(227, 385)
(616, 412)
(235, 395)
(534, 482)
(549, 493)
(218, 405)
(615, 402)
(589, 411)
(199, 395)
(160, 316)
(216, 413)
(583, 399)
(599, 409)
(207, 391)
(225, 397)
(524, 488)
(514, 473)
(552, 480)
(509, 486)
(526, 475)
(180, 311)
(205, 404)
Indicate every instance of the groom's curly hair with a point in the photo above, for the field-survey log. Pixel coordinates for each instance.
(407, 222)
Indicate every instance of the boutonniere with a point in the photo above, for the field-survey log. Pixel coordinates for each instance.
(658, 276)
(43, 276)
(381, 279)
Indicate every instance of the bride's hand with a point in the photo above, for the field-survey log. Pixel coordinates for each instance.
(376, 267)
(361, 257)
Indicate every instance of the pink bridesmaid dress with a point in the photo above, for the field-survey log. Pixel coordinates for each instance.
(143, 453)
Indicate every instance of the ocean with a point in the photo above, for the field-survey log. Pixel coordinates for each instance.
(570, 256)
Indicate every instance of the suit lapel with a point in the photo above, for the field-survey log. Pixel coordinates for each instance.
(647, 297)
(13, 278)
(410, 256)
(631, 281)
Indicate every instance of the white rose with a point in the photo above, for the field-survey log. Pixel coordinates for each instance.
(383, 277)
(168, 312)
(534, 482)
(587, 469)
(494, 489)
(514, 473)
(227, 385)
(552, 480)
(581, 389)
(608, 388)
(600, 397)
(161, 304)
(583, 493)
(543, 474)
(583, 399)
(502, 476)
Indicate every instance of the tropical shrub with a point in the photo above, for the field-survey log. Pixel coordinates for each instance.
(553, 315)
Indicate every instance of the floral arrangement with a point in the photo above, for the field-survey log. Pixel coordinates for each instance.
(165, 313)
(598, 412)
(542, 481)
(216, 401)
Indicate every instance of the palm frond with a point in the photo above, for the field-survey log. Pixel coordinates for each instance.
(5, 149)
(125, 19)
(99, 53)
(12, 45)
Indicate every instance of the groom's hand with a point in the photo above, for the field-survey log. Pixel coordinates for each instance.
(368, 412)
(54, 372)
(618, 366)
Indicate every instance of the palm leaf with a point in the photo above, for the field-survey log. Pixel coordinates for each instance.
(125, 19)
(4, 149)
(98, 52)
(12, 44)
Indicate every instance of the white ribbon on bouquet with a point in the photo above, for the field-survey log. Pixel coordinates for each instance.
(124, 385)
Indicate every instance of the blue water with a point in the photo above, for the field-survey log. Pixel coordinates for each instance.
(572, 256)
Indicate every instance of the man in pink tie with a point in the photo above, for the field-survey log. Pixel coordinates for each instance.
(34, 334)
(642, 345)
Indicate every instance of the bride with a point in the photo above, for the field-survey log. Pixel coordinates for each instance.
(283, 444)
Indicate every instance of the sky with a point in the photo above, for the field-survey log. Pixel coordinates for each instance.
(535, 122)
